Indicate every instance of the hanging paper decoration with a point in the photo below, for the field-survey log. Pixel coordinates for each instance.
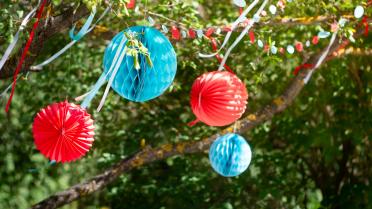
(290, 49)
(299, 47)
(175, 33)
(315, 40)
(251, 36)
(218, 98)
(131, 4)
(192, 33)
(274, 50)
(133, 75)
(324, 34)
(358, 12)
(151, 21)
(199, 33)
(240, 3)
(260, 43)
(63, 132)
(230, 155)
(164, 28)
(272, 9)
(342, 22)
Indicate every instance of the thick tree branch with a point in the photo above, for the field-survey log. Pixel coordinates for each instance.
(149, 155)
(48, 27)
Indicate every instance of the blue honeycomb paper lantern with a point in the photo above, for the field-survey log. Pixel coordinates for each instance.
(230, 155)
(146, 83)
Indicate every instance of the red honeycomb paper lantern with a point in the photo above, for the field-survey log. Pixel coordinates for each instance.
(218, 98)
(63, 132)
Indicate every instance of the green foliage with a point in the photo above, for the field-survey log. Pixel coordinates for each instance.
(314, 155)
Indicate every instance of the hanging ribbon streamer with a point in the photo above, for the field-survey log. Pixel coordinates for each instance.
(116, 68)
(102, 79)
(83, 31)
(303, 66)
(322, 57)
(256, 17)
(366, 26)
(251, 36)
(131, 4)
(24, 53)
(233, 26)
(16, 36)
(214, 47)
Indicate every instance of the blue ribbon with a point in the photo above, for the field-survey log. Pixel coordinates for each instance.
(84, 29)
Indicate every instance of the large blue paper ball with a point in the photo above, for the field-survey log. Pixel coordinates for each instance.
(230, 155)
(146, 83)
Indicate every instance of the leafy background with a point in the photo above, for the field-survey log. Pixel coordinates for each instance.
(316, 154)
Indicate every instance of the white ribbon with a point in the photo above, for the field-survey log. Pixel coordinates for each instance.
(75, 38)
(322, 57)
(117, 66)
(10, 85)
(16, 36)
(102, 79)
(233, 26)
(242, 34)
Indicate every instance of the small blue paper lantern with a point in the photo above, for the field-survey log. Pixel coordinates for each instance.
(145, 83)
(230, 155)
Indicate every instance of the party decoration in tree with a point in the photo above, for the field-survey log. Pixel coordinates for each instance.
(139, 63)
(63, 132)
(218, 98)
(230, 155)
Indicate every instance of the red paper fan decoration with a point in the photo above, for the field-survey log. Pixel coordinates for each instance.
(218, 98)
(63, 132)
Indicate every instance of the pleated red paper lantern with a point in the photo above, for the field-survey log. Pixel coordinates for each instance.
(63, 132)
(218, 98)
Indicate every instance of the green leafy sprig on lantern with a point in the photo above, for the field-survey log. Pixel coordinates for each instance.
(134, 48)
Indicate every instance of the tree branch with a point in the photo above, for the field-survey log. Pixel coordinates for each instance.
(149, 155)
(48, 28)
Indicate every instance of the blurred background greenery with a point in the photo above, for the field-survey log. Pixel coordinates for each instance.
(317, 154)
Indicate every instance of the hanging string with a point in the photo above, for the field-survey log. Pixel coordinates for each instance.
(218, 57)
(16, 37)
(242, 34)
(83, 31)
(24, 53)
(322, 57)
(233, 26)
(89, 96)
